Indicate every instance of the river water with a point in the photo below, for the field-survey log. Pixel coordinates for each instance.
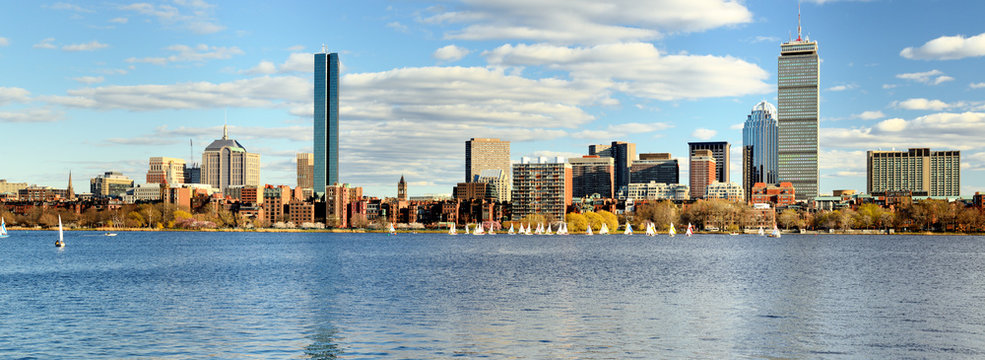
(176, 295)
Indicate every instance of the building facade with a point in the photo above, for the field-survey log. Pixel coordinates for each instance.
(306, 170)
(226, 162)
(541, 187)
(661, 169)
(797, 116)
(10, 188)
(326, 118)
(783, 194)
(920, 171)
(402, 189)
(497, 180)
(759, 147)
(110, 184)
(721, 151)
(166, 170)
(655, 191)
(488, 154)
(729, 191)
(592, 174)
(275, 201)
(702, 172)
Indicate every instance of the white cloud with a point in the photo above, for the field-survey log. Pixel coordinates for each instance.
(641, 70)
(587, 21)
(4, 41)
(960, 131)
(396, 25)
(704, 134)
(45, 44)
(892, 125)
(13, 95)
(615, 131)
(66, 6)
(761, 38)
(119, 20)
(921, 104)
(184, 53)
(89, 46)
(935, 77)
(264, 67)
(977, 85)
(737, 126)
(89, 79)
(947, 48)
(843, 87)
(296, 48)
(194, 16)
(889, 86)
(553, 154)
(30, 115)
(869, 115)
(450, 53)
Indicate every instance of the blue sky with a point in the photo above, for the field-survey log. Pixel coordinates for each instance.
(98, 86)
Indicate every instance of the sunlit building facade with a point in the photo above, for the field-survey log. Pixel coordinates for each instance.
(797, 92)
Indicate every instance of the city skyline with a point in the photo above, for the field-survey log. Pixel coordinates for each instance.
(123, 83)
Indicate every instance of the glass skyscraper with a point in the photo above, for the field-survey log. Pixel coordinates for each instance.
(759, 143)
(326, 121)
(797, 92)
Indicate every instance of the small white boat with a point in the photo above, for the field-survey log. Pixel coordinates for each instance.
(672, 231)
(528, 229)
(478, 230)
(511, 232)
(761, 232)
(776, 232)
(491, 231)
(629, 229)
(61, 234)
(466, 229)
(3, 229)
(689, 230)
(391, 230)
(452, 230)
(589, 230)
(564, 229)
(604, 230)
(548, 232)
(521, 231)
(109, 234)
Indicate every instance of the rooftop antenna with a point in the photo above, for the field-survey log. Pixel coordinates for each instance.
(191, 152)
(324, 49)
(798, 21)
(225, 122)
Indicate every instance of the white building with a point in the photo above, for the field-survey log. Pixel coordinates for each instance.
(729, 191)
(654, 191)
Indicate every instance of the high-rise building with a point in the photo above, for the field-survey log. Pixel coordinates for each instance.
(541, 187)
(193, 174)
(592, 175)
(702, 172)
(721, 152)
(602, 150)
(166, 170)
(110, 184)
(657, 167)
(497, 181)
(797, 102)
(326, 168)
(624, 153)
(729, 191)
(920, 171)
(306, 170)
(488, 154)
(759, 142)
(225, 162)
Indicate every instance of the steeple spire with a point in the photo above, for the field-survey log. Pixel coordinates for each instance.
(225, 132)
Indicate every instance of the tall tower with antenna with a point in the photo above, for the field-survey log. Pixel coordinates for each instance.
(798, 87)
(326, 121)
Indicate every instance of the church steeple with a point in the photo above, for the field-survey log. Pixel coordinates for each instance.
(225, 132)
(71, 193)
(402, 189)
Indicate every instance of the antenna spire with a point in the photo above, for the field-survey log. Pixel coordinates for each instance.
(798, 21)
(225, 122)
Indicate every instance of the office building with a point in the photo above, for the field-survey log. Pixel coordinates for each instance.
(920, 171)
(488, 154)
(592, 174)
(497, 180)
(759, 147)
(797, 103)
(275, 201)
(110, 184)
(473, 191)
(729, 191)
(658, 167)
(326, 118)
(306, 170)
(702, 172)
(624, 153)
(721, 151)
(776, 195)
(655, 191)
(601, 150)
(226, 162)
(193, 174)
(244, 193)
(10, 188)
(541, 187)
(166, 170)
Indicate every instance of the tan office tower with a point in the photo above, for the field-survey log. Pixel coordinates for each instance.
(225, 162)
(797, 101)
(702, 172)
(920, 171)
(306, 170)
(166, 170)
(488, 154)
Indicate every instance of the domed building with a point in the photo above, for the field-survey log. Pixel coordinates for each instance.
(226, 162)
(759, 147)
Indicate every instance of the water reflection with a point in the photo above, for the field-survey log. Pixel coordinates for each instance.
(325, 344)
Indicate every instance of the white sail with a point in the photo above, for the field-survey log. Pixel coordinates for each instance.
(452, 231)
(564, 228)
(689, 232)
(549, 232)
(478, 230)
(672, 231)
(491, 231)
(391, 229)
(61, 233)
(521, 231)
(776, 232)
(761, 232)
(3, 228)
(604, 230)
(511, 232)
(629, 229)
(589, 230)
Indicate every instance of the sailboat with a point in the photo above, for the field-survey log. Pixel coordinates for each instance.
(478, 230)
(391, 230)
(490, 232)
(689, 231)
(61, 235)
(604, 230)
(3, 229)
(511, 232)
(564, 227)
(589, 230)
(761, 232)
(528, 229)
(466, 229)
(452, 231)
(776, 232)
(548, 232)
(629, 229)
(672, 231)
(521, 231)
(540, 229)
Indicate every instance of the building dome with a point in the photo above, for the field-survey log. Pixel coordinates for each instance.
(766, 107)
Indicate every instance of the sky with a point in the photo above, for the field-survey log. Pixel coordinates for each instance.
(96, 86)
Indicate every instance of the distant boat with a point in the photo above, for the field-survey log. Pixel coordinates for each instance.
(511, 232)
(672, 231)
(521, 231)
(761, 232)
(478, 230)
(604, 230)
(109, 234)
(466, 229)
(589, 230)
(629, 229)
(391, 230)
(452, 230)
(776, 232)
(490, 232)
(689, 230)
(61, 234)
(3, 229)
(562, 229)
